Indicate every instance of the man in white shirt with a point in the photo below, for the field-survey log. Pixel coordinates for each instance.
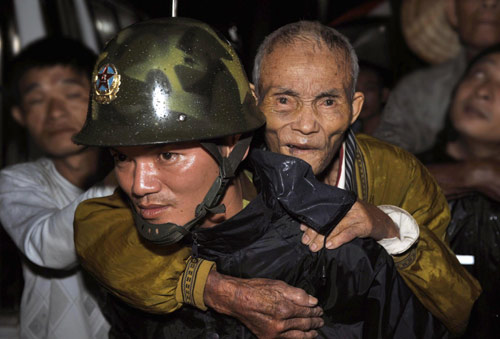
(50, 90)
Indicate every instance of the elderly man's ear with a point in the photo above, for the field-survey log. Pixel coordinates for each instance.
(252, 88)
(357, 104)
(18, 115)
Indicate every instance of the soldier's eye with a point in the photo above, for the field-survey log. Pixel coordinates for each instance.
(166, 156)
(119, 157)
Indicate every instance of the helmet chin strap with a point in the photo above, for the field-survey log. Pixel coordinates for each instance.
(170, 233)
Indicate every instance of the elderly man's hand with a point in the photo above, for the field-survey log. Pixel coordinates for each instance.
(269, 308)
(364, 220)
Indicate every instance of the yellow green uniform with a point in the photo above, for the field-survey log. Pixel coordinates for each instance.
(155, 279)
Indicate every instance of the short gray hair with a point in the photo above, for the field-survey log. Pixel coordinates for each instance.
(307, 30)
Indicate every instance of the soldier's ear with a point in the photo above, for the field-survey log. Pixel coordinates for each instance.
(230, 143)
(18, 115)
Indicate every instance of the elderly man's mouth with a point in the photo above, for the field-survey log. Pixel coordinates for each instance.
(299, 149)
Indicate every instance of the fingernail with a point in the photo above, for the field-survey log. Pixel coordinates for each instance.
(302, 227)
(305, 239)
(313, 247)
(312, 300)
(329, 244)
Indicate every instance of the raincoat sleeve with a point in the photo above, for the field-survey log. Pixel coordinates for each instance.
(149, 277)
(388, 175)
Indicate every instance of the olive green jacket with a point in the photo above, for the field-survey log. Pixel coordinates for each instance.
(156, 279)
(388, 175)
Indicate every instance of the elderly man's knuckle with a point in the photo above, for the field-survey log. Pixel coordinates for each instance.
(279, 327)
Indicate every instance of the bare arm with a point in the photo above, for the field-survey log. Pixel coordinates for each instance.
(269, 308)
(462, 177)
(364, 220)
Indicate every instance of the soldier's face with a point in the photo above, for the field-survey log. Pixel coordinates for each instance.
(305, 98)
(54, 103)
(165, 182)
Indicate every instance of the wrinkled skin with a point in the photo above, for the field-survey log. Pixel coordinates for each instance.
(269, 308)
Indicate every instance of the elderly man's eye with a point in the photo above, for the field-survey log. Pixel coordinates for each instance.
(283, 101)
(329, 102)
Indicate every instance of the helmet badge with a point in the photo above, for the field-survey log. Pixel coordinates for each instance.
(106, 84)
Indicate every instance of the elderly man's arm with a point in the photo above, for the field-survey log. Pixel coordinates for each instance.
(429, 267)
(466, 176)
(160, 279)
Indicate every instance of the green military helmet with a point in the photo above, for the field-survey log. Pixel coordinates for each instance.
(164, 81)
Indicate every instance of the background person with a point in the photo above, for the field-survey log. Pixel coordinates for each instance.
(472, 133)
(416, 109)
(50, 89)
(373, 81)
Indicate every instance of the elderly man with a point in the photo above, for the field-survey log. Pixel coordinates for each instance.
(309, 114)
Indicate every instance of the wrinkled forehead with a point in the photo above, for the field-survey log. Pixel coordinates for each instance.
(331, 62)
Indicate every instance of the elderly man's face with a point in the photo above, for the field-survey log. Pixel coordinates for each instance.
(305, 99)
(475, 109)
(478, 22)
(165, 182)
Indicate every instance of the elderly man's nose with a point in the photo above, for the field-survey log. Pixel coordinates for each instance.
(306, 121)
